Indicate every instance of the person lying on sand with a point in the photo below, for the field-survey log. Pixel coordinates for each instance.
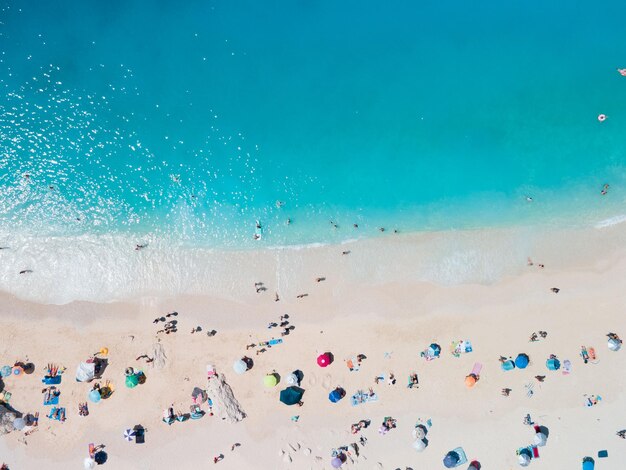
(506, 392)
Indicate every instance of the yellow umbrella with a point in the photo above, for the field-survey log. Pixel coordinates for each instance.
(104, 351)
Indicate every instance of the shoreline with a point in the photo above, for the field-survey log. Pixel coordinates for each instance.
(108, 269)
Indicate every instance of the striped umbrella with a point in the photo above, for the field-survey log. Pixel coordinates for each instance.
(129, 434)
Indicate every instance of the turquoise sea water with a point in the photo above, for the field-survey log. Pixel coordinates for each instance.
(189, 120)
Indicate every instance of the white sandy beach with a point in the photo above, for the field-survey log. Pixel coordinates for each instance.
(374, 301)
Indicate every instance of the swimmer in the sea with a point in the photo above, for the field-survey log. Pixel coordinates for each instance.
(605, 189)
(26, 271)
(140, 247)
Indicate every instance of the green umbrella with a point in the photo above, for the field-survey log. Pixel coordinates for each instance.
(132, 381)
(270, 380)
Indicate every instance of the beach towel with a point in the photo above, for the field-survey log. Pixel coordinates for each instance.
(362, 397)
(271, 342)
(461, 347)
(567, 366)
(57, 414)
(477, 368)
(50, 399)
(56, 380)
(353, 365)
(530, 389)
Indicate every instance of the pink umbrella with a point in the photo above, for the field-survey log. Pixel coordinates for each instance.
(324, 359)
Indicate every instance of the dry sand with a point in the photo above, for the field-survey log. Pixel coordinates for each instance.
(369, 305)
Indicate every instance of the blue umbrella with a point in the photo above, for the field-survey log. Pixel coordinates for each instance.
(95, 396)
(6, 371)
(522, 360)
(553, 364)
(508, 365)
(451, 459)
(435, 349)
(336, 395)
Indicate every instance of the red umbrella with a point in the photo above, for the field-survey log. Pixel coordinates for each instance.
(323, 360)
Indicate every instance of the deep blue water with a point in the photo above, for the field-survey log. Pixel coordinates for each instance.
(190, 121)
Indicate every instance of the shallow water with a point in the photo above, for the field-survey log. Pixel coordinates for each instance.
(186, 124)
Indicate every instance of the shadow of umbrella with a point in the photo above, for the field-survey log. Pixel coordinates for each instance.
(140, 434)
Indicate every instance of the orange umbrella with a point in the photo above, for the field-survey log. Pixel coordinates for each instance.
(470, 381)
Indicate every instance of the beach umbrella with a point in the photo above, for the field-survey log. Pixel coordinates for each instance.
(132, 380)
(129, 434)
(451, 459)
(553, 364)
(434, 349)
(522, 360)
(508, 365)
(5, 371)
(240, 366)
(291, 379)
(524, 460)
(89, 463)
(270, 380)
(94, 396)
(336, 395)
(18, 371)
(419, 432)
(104, 351)
(337, 461)
(19, 424)
(588, 463)
(614, 344)
(291, 395)
(470, 381)
(323, 360)
(85, 371)
(540, 439)
(419, 445)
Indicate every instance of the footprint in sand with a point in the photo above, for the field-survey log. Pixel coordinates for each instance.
(312, 380)
(326, 382)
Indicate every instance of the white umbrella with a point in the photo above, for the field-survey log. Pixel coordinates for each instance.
(524, 460)
(19, 424)
(540, 439)
(614, 345)
(419, 445)
(129, 434)
(291, 379)
(89, 463)
(240, 366)
(418, 433)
